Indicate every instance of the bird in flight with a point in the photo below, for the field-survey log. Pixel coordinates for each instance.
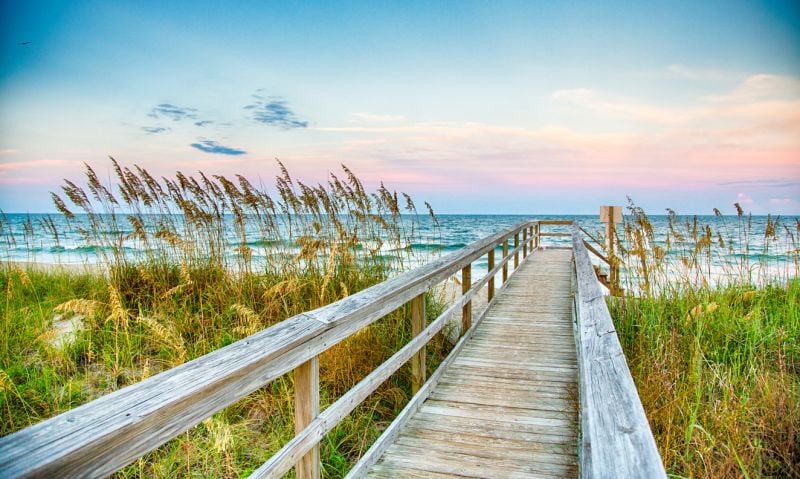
(25, 44)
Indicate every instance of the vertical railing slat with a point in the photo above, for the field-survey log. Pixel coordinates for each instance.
(505, 265)
(306, 408)
(466, 284)
(418, 367)
(491, 267)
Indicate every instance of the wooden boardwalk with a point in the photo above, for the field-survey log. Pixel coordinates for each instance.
(507, 406)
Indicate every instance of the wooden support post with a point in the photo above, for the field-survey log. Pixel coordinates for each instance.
(418, 367)
(536, 237)
(611, 215)
(466, 284)
(525, 242)
(306, 408)
(516, 251)
(491, 278)
(505, 265)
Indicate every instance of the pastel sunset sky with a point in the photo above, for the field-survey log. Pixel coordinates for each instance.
(476, 107)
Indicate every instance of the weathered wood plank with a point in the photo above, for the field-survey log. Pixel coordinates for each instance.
(466, 283)
(418, 366)
(306, 408)
(616, 437)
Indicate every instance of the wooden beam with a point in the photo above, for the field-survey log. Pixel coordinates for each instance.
(505, 265)
(563, 235)
(555, 222)
(306, 408)
(491, 279)
(418, 367)
(525, 242)
(516, 255)
(466, 284)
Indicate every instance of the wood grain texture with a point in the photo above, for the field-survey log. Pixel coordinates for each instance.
(490, 266)
(466, 284)
(306, 409)
(616, 440)
(418, 367)
(506, 404)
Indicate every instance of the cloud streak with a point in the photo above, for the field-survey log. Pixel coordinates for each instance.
(274, 111)
(172, 112)
(153, 130)
(210, 146)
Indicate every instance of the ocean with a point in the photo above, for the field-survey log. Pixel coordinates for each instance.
(51, 239)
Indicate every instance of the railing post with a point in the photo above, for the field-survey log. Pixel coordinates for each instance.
(525, 242)
(306, 408)
(505, 265)
(466, 284)
(611, 237)
(491, 267)
(536, 236)
(516, 251)
(418, 368)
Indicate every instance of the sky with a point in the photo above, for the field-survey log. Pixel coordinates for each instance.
(476, 107)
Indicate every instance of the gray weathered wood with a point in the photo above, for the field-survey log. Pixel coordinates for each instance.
(418, 367)
(306, 409)
(466, 284)
(104, 435)
(616, 437)
(490, 266)
(505, 263)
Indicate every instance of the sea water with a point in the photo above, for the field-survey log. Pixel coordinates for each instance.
(28, 238)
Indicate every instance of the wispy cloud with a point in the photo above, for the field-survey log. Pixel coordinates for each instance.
(375, 118)
(203, 122)
(152, 130)
(210, 146)
(172, 112)
(618, 108)
(701, 74)
(274, 111)
(764, 183)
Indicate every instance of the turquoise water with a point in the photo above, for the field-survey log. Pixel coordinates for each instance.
(51, 239)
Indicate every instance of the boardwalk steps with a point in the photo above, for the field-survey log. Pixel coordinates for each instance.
(537, 385)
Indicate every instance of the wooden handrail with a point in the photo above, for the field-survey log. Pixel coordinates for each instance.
(596, 253)
(616, 440)
(102, 436)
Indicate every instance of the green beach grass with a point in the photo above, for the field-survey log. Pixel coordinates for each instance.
(715, 352)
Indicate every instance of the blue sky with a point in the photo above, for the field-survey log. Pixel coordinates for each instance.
(517, 107)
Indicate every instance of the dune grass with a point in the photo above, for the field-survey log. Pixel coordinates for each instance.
(715, 352)
(192, 292)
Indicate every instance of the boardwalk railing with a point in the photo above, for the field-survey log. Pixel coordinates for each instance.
(616, 440)
(100, 437)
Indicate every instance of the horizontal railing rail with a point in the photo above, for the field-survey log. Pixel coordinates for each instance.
(616, 440)
(100, 437)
